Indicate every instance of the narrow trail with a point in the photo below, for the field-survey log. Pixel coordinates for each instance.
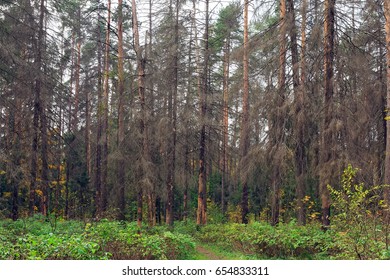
(208, 255)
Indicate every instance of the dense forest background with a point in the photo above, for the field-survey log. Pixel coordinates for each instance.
(160, 111)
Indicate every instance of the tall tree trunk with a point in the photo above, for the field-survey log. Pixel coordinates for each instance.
(244, 140)
(99, 113)
(150, 86)
(225, 122)
(278, 120)
(121, 127)
(145, 154)
(172, 111)
(39, 115)
(104, 167)
(300, 117)
(14, 173)
(327, 142)
(77, 72)
(87, 135)
(387, 157)
(201, 215)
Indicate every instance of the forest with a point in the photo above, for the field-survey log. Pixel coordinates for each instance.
(194, 129)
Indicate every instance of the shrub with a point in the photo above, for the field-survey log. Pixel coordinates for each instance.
(357, 222)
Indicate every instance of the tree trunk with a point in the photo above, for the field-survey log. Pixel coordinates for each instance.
(121, 127)
(278, 118)
(149, 56)
(39, 115)
(77, 73)
(145, 154)
(300, 116)
(244, 141)
(387, 157)
(172, 112)
(104, 166)
(327, 145)
(98, 158)
(201, 215)
(225, 122)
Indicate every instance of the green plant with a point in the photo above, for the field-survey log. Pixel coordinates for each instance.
(356, 222)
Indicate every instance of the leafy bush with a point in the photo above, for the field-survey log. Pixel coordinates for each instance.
(357, 218)
(259, 239)
(34, 239)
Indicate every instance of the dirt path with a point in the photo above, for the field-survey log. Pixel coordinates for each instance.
(207, 253)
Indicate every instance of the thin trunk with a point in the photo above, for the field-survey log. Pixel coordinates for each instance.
(39, 114)
(34, 147)
(172, 111)
(104, 167)
(150, 87)
(70, 122)
(225, 123)
(300, 118)
(303, 43)
(121, 127)
(201, 216)
(278, 121)
(187, 159)
(327, 146)
(387, 157)
(244, 139)
(143, 121)
(16, 177)
(98, 163)
(77, 73)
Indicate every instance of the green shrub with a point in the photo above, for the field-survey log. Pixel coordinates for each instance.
(357, 221)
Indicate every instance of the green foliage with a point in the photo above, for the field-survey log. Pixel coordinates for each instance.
(214, 214)
(260, 240)
(227, 23)
(34, 238)
(357, 217)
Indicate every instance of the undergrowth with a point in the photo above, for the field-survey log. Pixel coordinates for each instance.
(35, 238)
(259, 240)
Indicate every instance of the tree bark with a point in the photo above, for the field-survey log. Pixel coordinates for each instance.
(145, 154)
(225, 123)
(244, 141)
(387, 157)
(98, 158)
(300, 116)
(121, 128)
(201, 215)
(278, 118)
(172, 112)
(104, 166)
(77, 73)
(327, 145)
(39, 117)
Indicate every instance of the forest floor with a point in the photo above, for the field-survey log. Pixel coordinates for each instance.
(206, 254)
